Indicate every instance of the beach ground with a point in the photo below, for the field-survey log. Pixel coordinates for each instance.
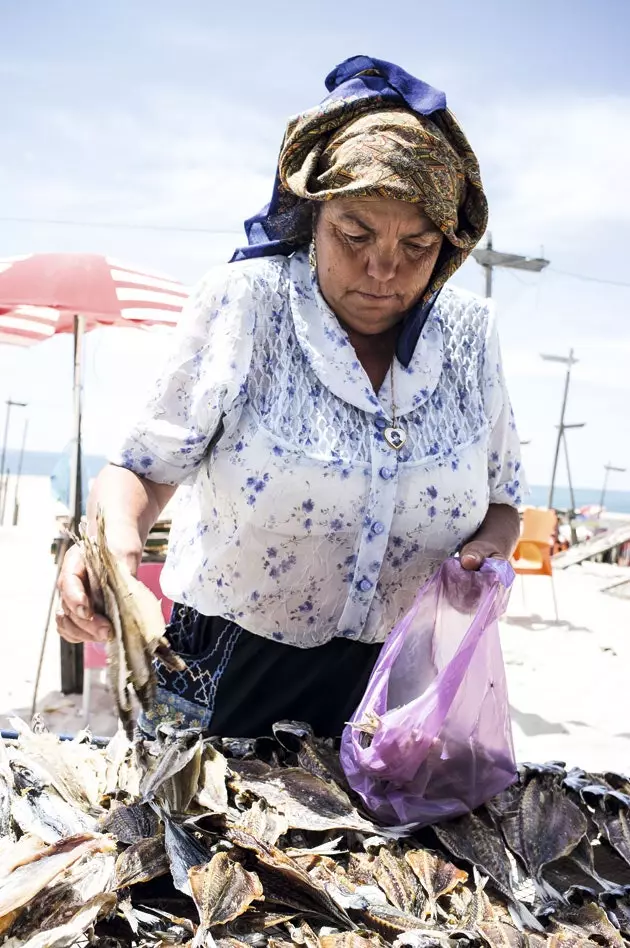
(568, 679)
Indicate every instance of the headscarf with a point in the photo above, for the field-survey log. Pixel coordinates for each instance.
(380, 132)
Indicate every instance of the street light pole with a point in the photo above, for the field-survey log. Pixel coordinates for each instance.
(490, 258)
(607, 469)
(16, 501)
(4, 482)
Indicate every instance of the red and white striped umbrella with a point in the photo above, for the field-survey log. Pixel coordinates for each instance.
(41, 294)
(48, 293)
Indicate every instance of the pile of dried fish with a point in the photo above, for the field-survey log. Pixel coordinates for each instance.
(208, 841)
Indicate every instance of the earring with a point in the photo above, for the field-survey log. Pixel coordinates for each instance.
(312, 255)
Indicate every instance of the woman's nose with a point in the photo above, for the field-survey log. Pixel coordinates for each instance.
(381, 265)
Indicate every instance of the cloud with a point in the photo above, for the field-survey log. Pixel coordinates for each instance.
(556, 169)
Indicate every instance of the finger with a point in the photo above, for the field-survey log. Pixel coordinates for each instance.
(471, 560)
(73, 585)
(67, 630)
(97, 629)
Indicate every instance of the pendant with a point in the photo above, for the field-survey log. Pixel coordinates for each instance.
(395, 437)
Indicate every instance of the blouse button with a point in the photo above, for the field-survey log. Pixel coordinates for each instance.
(378, 527)
(365, 585)
(386, 473)
(380, 423)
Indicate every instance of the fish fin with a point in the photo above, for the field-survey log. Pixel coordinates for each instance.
(523, 918)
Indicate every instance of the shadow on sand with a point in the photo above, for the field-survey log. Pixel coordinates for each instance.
(532, 724)
(536, 623)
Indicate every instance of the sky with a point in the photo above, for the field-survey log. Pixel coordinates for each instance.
(154, 128)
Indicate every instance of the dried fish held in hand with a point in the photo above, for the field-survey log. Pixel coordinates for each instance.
(137, 623)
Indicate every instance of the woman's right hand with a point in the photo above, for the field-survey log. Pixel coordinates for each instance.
(76, 619)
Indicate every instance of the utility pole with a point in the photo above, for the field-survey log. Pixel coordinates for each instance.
(569, 361)
(607, 469)
(490, 258)
(4, 481)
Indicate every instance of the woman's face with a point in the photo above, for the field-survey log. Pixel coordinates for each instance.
(375, 257)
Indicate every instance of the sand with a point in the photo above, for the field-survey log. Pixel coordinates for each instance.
(568, 679)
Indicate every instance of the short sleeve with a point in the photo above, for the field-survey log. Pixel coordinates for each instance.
(203, 376)
(505, 474)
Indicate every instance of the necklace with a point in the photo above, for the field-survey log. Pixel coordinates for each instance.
(394, 435)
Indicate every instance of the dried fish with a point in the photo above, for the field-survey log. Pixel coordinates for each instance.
(546, 827)
(395, 877)
(212, 793)
(437, 876)
(475, 840)
(286, 881)
(222, 891)
(307, 801)
(184, 851)
(42, 812)
(615, 824)
(388, 921)
(141, 862)
(617, 906)
(130, 824)
(137, 622)
(590, 921)
(69, 768)
(276, 854)
(69, 933)
(54, 905)
(262, 822)
(314, 756)
(19, 853)
(18, 888)
(352, 940)
(173, 778)
(6, 788)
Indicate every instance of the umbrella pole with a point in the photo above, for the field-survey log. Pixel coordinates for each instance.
(72, 655)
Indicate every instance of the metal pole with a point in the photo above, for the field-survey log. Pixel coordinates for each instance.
(571, 494)
(4, 454)
(560, 430)
(72, 655)
(566, 458)
(4, 480)
(488, 269)
(604, 486)
(76, 491)
(16, 505)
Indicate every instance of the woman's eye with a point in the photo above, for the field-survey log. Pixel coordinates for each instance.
(356, 238)
(416, 248)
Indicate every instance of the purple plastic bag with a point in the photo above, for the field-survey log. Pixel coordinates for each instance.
(443, 741)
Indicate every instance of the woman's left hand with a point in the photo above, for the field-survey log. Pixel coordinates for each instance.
(474, 553)
(496, 537)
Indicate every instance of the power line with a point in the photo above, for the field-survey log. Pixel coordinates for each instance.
(118, 225)
(589, 279)
(123, 225)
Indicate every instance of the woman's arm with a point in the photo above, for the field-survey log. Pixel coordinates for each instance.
(497, 536)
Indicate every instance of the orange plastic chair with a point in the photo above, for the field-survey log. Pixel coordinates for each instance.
(532, 556)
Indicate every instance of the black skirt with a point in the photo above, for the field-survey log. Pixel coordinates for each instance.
(238, 684)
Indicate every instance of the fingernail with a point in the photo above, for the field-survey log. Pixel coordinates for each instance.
(101, 633)
(83, 612)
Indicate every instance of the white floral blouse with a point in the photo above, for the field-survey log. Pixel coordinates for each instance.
(296, 518)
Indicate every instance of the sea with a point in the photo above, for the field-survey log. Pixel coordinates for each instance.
(45, 463)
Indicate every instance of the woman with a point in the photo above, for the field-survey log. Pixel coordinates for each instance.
(336, 414)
